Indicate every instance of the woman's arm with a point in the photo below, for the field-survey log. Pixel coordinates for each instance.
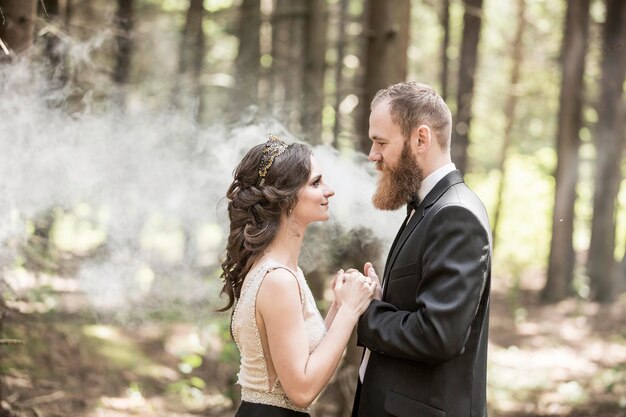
(303, 376)
(330, 315)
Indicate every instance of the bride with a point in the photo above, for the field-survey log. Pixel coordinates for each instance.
(288, 351)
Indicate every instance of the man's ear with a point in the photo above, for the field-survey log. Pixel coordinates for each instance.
(421, 138)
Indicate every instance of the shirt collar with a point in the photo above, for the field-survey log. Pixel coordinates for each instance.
(430, 181)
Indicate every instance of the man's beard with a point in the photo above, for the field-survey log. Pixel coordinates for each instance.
(397, 185)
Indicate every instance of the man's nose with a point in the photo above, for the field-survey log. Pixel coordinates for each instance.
(374, 155)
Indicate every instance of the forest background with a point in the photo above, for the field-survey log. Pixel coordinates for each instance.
(121, 122)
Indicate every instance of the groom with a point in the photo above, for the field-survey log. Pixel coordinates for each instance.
(426, 339)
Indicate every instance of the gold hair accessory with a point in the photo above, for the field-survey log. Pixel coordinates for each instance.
(273, 147)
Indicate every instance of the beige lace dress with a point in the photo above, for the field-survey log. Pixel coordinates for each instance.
(257, 375)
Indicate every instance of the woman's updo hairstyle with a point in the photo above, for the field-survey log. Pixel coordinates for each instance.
(257, 197)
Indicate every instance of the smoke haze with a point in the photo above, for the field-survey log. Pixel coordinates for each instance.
(146, 168)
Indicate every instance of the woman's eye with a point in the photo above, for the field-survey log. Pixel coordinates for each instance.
(316, 183)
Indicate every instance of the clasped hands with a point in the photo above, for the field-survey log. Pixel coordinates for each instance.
(355, 289)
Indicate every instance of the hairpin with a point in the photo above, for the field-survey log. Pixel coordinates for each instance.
(273, 147)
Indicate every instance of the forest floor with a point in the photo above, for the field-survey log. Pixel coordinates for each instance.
(565, 359)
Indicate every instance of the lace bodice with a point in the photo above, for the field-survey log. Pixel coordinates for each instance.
(254, 371)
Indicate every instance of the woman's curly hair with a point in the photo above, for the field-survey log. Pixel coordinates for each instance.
(255, 211)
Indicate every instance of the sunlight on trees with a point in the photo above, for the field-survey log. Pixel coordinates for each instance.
(122, 123)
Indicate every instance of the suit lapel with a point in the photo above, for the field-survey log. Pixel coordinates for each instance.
(442, 186)
(393, 245)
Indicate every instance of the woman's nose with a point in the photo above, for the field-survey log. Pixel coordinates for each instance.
(329, 192)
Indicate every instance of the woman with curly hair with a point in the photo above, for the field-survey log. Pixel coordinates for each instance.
(288, 351)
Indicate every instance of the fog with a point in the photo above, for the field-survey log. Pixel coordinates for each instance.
(144, 170)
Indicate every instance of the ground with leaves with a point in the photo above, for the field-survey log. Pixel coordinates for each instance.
(565, 359)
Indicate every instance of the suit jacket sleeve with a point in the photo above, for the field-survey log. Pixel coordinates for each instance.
(455, 266)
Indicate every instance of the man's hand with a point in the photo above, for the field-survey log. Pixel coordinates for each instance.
(368, 270)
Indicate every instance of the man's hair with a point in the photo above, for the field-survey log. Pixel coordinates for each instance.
(412, 104)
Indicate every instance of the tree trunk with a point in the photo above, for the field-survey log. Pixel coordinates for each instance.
(509, 111)
(341, 53)
(17, 24)
(49, 9)
(191, 59)
(387, 33)
(288, 26)
(123, 40)
(247, 64)
(54, 49)
(621, 274)
(562, 258)
(280, 46)
(3, 312)
(295, 22)
(472, 20)
(445, 25)
(69, 9)
(601, 266)
(314, 69)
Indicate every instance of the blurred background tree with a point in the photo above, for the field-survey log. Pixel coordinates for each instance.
(536, 88)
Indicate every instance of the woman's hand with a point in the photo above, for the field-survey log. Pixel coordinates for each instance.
(332, 310)
(354, 291)
(333, 281)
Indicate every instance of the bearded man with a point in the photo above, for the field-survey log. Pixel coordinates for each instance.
(426, 337)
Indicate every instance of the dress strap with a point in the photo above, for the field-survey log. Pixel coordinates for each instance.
(257, 277)
(278, 266)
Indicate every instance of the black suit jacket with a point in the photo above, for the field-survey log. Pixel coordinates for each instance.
(428, 335)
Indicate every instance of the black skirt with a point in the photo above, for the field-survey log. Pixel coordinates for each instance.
(247, 409)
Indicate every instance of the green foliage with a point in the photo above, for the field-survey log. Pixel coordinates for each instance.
(355, 7)
(189, 362)
(189, 389)
(119, 350)
(213, 6)
(174, 5)
(60, 240)
(425, 45)
(525, 229)
(229, 353)
(80, 230)
(611, 380)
